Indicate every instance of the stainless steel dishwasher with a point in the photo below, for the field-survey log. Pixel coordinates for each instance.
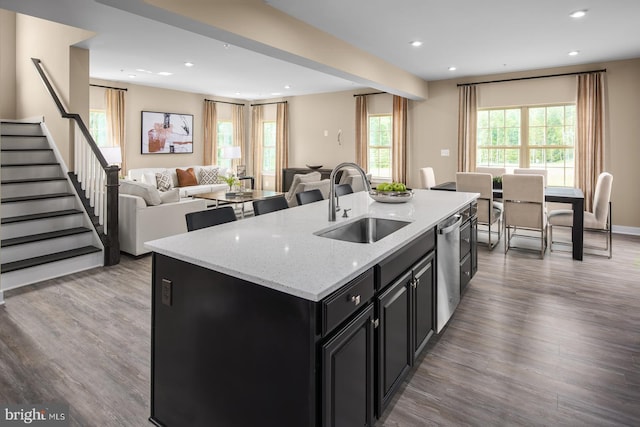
(448, 255)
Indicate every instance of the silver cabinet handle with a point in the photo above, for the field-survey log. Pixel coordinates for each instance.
(355, 299)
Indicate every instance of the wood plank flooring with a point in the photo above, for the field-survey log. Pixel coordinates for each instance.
(533, 342)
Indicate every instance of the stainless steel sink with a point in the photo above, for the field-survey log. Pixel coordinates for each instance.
(364, 230)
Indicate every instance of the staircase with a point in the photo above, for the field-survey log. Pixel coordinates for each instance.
(44, 232)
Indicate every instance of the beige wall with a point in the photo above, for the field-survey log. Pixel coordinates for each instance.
(50, 42)
(7, 64)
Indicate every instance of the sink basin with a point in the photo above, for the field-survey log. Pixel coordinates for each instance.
(364, 230)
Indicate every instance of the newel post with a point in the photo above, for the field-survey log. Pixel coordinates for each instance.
(112, 247)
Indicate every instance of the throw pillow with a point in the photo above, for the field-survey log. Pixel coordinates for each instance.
(209, 176)
(164, 180)
(149, 178)
(186, 178)
(170, 196)
(147, 192)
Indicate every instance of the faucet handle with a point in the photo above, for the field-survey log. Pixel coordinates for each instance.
(344, 213)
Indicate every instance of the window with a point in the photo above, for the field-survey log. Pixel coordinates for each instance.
(98, 127)
(529, 137)
(269, 147)
(379, 149)
(225, 139)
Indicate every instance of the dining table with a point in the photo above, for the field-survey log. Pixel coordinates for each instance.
(570, 195)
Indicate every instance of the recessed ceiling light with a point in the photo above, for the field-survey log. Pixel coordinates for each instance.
(237, 93)
(142, 70)
(165, 73)
(452, 68)
(578, 14)
(189, 64)
(132, 76)
(276, 93)
(287, 87)
(416, 43)
(226, 45)
(574, 52)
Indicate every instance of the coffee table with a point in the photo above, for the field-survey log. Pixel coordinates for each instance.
(242, 198)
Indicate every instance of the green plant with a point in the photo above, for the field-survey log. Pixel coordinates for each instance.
(231, 180)
(497, 179)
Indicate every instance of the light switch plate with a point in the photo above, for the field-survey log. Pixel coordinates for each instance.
(444, 152)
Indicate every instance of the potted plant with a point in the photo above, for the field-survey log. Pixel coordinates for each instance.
(231, 180)
(497, 182)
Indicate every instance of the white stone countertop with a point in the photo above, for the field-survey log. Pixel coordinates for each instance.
(279, 250)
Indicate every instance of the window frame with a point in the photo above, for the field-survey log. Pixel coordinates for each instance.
(268, 148)
(96, 131)
(227, 163)
(380, 148)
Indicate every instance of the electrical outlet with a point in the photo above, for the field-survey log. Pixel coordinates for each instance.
(167, 286)
(444, 152)
(326, 133)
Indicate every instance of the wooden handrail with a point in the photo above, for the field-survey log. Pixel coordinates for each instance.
(109, 233)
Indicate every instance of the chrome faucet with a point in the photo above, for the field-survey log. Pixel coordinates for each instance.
(332, 186)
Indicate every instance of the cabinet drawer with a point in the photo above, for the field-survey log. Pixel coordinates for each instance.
(403, 259)
(346, 301)
(465, 239)
(465, 272)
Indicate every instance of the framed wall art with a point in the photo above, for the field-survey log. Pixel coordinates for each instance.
(166, 133)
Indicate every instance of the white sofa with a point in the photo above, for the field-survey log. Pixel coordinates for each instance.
(147, 175)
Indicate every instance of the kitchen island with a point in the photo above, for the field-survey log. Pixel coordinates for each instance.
(263, 322)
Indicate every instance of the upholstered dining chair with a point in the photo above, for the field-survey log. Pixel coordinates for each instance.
(598, 220)
(271, 204)
(495, 172)
(530, 171)
(309, 196)
(524, 207)
(342, 189)
(427, 178)
(209, 217)
(489, 211)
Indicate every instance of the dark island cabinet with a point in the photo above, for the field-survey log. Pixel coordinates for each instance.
(347, 374)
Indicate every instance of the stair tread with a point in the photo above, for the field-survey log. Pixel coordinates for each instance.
(44, 236)
(9, 165)
(13, 135)
(26, 149)
(32, 180)
(35, 197)
(41, 215)
(45, 259)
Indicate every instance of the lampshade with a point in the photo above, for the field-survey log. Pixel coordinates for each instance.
(230, 153)
(112, 155)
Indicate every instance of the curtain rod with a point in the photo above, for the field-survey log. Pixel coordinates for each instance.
(223, 102)
(108, 87)
(270, 103)
(365, 94)
(534, 77)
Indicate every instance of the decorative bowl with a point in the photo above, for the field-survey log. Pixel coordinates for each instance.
(391, 196)
(314, 166)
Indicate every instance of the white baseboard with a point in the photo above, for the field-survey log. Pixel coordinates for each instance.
(1, 298)
(621, 229)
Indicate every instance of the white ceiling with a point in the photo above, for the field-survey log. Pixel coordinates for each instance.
(479, 38)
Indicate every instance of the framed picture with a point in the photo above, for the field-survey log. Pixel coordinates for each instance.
(242, 171)
(166, 133)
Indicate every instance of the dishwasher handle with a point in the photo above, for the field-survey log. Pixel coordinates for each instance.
(448, 227)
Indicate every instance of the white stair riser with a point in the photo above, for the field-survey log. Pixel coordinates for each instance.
(27, 228)
(23, 142)
(27, 157)
(35, 188)
(45, 247)
(27, 172)
(27, 276)
(20, 129)
(37, 206)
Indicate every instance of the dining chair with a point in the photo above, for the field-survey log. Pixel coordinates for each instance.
(530, 171)
(495, 172)
(524, 207)
(271, 204)
(598, 220)
(489, 211)
(309, 196)
(342, 189)
(427, 178)
(209, 217)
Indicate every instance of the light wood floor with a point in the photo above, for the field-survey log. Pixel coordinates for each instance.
(533, 342)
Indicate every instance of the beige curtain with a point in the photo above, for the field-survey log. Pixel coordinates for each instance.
(362, 132)
(282, 142)
(399, 142)
(210, 133)
(589, 133)
(467, 128)
(256, 145)
(237, 120)
(115, 123)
